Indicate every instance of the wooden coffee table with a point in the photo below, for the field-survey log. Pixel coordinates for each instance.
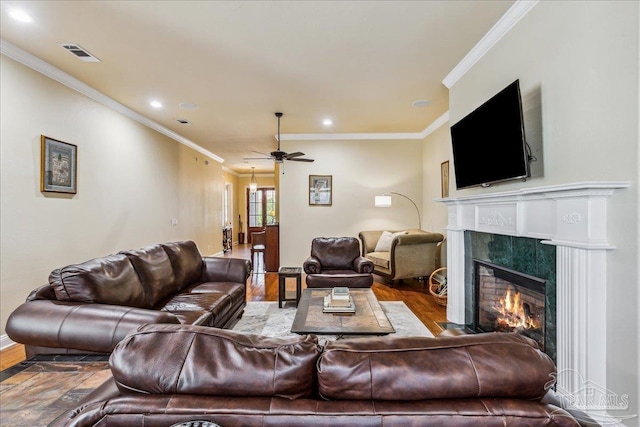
(369, 318)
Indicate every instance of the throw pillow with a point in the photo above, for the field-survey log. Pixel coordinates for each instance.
(384, 242)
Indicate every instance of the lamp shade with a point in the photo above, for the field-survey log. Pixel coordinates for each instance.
(383, 201)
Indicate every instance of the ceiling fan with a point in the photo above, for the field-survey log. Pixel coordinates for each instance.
(279, 156)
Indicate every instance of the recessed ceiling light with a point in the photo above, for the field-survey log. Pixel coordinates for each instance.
(156, 104)
(327, 122)
(189, 106)
(421, 103)
(183, 121)
(20, 15)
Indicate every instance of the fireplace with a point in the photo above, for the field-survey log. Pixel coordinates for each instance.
(570, 218)
(509, 301)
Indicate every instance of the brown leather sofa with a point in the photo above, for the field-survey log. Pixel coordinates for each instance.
(90, 307)
(336, 261)
(168, 374)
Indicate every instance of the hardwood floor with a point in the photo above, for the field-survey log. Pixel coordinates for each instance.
(263, 286)
(11, 356)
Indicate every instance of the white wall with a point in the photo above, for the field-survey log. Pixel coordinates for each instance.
(579, 62)
(131, 182)
(361, 170)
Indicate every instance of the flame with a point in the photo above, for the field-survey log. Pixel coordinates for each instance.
(512, 312)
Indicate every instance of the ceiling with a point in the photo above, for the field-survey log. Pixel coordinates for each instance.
(360, 63)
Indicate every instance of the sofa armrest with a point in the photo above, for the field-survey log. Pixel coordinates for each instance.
(369, 240)
(225, 270)
(363, 265)
(80, 326)
(416, 239)
(414, 254)
(312, 265)
(44, 292)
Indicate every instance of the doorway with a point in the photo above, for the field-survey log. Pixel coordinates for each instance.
(261, 210)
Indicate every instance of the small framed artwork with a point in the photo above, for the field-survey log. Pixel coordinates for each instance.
(320, 190)
(444, 178)
(59, 165)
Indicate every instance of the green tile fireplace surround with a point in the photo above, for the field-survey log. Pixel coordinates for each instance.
(522, 254)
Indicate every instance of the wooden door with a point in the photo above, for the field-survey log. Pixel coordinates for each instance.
(261, 210)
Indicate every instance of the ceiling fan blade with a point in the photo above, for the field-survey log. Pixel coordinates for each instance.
(299, 159)
(260, 152)
(257, 158)
(296, 154)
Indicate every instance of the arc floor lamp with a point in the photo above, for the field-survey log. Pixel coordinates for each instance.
(384, 201)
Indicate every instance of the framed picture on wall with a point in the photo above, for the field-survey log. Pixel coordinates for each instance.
(444, 178)
(58, 166)
(320, 190)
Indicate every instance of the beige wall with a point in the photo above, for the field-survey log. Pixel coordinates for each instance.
(437, 149)
(360, 170)
(232, 179)
(132, 182)
(578, 65)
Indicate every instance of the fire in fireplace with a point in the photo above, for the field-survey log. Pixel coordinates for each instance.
(509, 301)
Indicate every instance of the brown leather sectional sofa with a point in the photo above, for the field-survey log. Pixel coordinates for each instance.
(90, 307)
(169, 374)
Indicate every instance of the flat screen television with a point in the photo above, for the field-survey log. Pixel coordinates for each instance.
(489, 144)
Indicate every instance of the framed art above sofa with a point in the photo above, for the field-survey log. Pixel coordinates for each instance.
(58, 166)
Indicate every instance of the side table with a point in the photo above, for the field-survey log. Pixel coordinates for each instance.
(283, 273)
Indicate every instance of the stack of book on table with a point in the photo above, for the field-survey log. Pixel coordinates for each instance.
(339, 301)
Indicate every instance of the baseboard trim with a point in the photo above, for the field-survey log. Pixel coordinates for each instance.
(5, 342)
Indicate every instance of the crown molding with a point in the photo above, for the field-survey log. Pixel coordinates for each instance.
(258, 175)
(519, 9)
(229, 171)
(71, 82)
(435, 125)
(346, 136)
(368, 136)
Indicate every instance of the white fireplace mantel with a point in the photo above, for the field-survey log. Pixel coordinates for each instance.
(573, 217)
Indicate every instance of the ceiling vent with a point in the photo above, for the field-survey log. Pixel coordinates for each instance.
(183, 121)
(81, 53)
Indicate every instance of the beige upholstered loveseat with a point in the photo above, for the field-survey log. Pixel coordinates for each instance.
(411, 253)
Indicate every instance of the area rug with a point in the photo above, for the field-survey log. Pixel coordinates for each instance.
(35, 392)
(265, 318)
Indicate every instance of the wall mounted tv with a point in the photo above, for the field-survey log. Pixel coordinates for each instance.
(489, 144)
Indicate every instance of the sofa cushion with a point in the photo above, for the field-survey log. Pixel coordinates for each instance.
(155, 271)
(236, 291)
(384, 242)
(186, 261)
(213, 304)
(186, 359)
(380, 259)
(416, 368)
(108, 280)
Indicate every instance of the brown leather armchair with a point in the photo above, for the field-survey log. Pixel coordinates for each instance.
(336, 261)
